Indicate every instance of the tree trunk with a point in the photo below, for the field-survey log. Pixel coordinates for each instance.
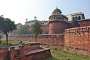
(0, 41)
(7, 38)
(35, 39)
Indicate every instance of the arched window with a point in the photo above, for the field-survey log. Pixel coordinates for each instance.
(83, 17)
(79, 18)
(75, 18)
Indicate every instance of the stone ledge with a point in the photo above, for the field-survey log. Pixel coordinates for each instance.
(37, 51)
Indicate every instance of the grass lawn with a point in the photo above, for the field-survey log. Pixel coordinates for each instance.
(59, 54)
(10, 42)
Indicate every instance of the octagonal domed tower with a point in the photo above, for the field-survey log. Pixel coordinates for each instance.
(57, 22)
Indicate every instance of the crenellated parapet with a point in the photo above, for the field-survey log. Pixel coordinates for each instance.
(78, 29)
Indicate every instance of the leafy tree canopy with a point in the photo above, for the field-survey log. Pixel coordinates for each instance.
(24, 29)
(6, 26)
(36, 28)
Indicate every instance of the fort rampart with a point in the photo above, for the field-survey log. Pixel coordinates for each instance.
(78, 38)
(52, 39)
(74, 38)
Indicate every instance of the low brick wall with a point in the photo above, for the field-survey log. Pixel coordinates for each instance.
(30, 51)
(3, 53)
(54, 39)
(78, 39)
(43, 54)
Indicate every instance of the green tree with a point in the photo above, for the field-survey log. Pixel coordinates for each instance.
(6, 26)
(36, 29)
(23, 30)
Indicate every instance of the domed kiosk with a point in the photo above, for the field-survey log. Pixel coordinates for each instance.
(57, 22)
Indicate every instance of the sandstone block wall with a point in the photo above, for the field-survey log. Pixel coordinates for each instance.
(78, 38)
(84, 23)
(54, 39)
(42, 55)
(26, 53)
(3, 53)
(57, 27)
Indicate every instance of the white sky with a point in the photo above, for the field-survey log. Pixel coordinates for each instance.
(19, 10)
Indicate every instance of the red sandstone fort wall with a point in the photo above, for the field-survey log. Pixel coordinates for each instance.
(78, 38)
(54, 39)
(57, 27)
(84, 23)
(75, 38)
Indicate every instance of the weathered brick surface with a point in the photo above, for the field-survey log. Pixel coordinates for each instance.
(55, 39)
(57, 27)
(28, 51)
(3, 53)
(84, 23)
(78, 38)
(42, 55)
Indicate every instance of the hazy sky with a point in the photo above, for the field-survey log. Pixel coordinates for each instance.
(19, 10)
